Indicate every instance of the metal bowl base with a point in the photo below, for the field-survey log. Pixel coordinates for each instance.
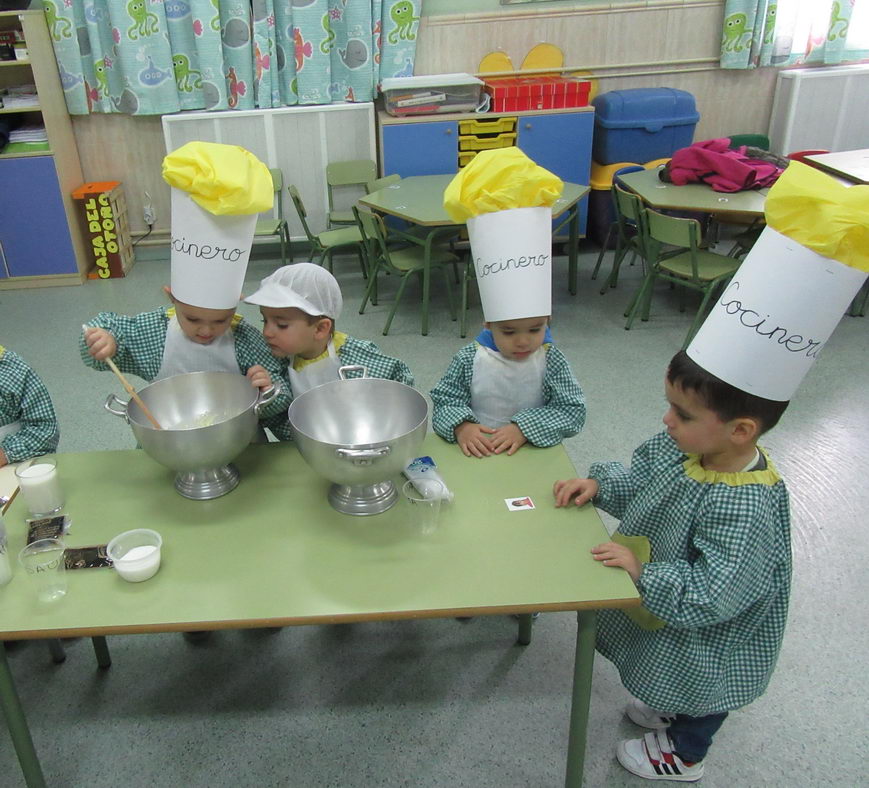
(208, 484)
(364, 499)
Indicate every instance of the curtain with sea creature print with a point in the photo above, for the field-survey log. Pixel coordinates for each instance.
(794, 32)
(150, 57)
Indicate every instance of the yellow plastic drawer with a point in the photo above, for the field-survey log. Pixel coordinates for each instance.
(465, 157)
(487, 143)
(487, 126)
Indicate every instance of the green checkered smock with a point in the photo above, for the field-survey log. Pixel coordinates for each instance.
(141, 339)
(562, 414)
(24, 398)
(719, 577)
(360, 351)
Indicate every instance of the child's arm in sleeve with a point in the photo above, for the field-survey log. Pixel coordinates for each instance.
(563, 413)
(742, 556)
(451, 397)
(378, 364)
(617, 484)
(140, 339)
(39, 433)
(251, 350)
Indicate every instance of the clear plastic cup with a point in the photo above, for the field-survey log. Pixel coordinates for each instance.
(44, 564)
(136, 554)
(426, 507)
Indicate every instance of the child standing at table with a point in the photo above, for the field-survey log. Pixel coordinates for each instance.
(510, 386)
(705, 523)
(219, 190)
(300, 304)
(28, 426)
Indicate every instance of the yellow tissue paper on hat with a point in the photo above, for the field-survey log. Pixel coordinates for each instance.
(225, 180)
(498, 180)
(822, 214)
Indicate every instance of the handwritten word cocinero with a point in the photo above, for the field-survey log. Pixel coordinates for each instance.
(795, 343)
(499, 266)
(206, 251)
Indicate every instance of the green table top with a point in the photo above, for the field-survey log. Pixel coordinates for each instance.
(419, 199)
(692, 196)
(273, 552)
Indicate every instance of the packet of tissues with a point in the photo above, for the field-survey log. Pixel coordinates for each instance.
(422, 472)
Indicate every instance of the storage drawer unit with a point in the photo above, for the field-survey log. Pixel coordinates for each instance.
(559, 140)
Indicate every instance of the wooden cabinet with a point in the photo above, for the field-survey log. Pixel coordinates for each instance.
(40, 241)
(559, 140)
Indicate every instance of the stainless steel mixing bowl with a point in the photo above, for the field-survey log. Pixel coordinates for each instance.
(208, 418)
(359, 433)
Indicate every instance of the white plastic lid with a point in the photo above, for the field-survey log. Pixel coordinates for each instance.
(428, 81)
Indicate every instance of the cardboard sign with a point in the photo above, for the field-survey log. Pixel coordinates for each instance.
(513, 260)
(209, 254)
(774, 318)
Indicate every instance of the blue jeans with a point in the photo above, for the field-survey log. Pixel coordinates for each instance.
(691, 736)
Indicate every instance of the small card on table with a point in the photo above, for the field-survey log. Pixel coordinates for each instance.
(520, 504)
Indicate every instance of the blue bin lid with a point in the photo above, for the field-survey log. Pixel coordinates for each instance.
(648, 108)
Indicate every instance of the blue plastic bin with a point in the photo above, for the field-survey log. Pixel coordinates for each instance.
(642, 124)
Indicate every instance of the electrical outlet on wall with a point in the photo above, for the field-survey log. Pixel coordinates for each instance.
(148, 211)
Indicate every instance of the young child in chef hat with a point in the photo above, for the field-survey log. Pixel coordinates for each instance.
(218, 190)
(300, 304)
(705, 526)
(510, 386)
(28, 426)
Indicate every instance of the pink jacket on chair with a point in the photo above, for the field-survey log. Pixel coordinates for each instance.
(725, 170)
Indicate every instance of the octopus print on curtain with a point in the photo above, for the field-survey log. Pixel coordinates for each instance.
(150, 57)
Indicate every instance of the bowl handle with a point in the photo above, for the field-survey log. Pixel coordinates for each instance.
(362, 456)
(110, 400)
(342, 371)
(266, 396)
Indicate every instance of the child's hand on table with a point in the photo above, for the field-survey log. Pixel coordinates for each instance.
(259, 377)
(100, 343)
(584, 489)
(508, 437)
(612, 554)
(474, 439)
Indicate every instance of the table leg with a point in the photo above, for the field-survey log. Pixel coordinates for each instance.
(582, 669)
(572, 253)
(17, 725)
(426, 279)
(101, 649)
(526, 622)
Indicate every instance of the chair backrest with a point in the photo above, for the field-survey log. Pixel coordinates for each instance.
(381, 183)
(278, 184)
(346, 173)
(373, 235)
(303, 214)
(674, 231)
(628, 204)
(752, 140)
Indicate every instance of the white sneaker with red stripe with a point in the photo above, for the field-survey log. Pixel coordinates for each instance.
(652, 757)
(647, 717)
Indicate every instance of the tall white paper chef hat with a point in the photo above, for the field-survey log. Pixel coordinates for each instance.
(506, 200)
(766, 330)
(218, 190)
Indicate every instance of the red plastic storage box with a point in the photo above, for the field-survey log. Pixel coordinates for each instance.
(511, 94)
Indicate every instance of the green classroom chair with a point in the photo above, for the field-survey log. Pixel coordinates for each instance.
(692, 267)
(325, 243)
(403, 261)
(629, 234)
(266, 228)
(381, 183)
(357, 172)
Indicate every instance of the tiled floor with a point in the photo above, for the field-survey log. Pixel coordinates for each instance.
(444, 703)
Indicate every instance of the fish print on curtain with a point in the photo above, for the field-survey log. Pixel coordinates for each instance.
(791, 32)
(150, 57)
